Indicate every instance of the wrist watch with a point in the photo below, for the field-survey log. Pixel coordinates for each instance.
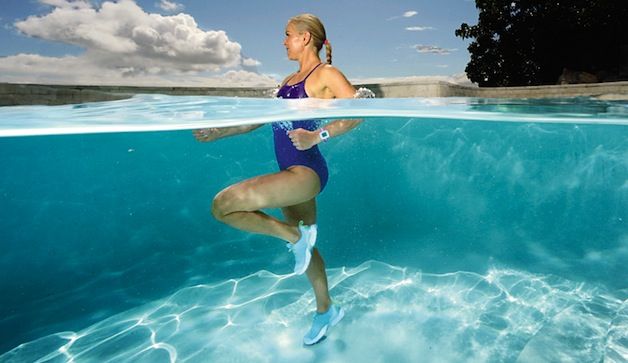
(324, 134)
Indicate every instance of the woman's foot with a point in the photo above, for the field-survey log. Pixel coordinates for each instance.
(322, 323)
(302, 249)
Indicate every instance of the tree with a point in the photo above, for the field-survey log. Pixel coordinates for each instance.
(527, 42)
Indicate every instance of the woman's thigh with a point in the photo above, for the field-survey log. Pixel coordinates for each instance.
(285, 188)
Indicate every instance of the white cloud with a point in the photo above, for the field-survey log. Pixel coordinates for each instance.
(170, 6)
(81, 70)
(442, 65)
(432, 49)
(67, 4)
(407, 14)
(125, 44)
(250, 62)
(419, 28)
(462, 79)
(250, 79)
(125, 36)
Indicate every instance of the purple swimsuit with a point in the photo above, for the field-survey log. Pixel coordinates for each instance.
(287, 155)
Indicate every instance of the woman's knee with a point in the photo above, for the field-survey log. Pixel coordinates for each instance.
(220, 205)
(228, 201)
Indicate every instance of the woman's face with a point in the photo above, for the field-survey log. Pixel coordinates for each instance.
(294, 42)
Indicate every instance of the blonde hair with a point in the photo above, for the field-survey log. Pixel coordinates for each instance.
(312, 24)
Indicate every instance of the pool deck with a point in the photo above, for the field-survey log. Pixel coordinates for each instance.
(39, 94)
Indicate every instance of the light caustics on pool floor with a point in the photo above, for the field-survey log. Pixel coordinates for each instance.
(393, 314)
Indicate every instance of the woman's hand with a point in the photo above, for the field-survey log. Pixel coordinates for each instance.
(209, 134)
(303, 139)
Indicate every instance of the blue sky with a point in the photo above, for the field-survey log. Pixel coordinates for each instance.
(235, 42)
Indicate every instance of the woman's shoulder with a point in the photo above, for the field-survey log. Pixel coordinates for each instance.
(330, 71)
(331, 75)
(332, 83)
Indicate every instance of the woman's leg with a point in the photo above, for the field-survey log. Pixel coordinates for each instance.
(306, 212)
(239, 205)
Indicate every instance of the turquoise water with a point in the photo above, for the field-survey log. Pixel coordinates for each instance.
(453, 230)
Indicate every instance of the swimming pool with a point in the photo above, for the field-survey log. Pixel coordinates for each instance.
(453, 230)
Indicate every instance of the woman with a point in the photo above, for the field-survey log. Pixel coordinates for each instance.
(303, 170)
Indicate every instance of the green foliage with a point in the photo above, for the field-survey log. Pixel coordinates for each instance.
(527, 42)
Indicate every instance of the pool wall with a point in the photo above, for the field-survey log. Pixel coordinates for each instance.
(30, 94)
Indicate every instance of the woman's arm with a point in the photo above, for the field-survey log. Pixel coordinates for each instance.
(339, 87)
(215, 133)
(339, 127)
(303, 139)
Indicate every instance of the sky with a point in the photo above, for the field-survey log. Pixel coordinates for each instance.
(225, 43)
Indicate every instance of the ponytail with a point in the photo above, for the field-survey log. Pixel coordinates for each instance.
(328, 51)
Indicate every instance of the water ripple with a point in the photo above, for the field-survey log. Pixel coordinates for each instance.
(151, 112)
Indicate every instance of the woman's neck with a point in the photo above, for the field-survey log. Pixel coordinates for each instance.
(308, 62)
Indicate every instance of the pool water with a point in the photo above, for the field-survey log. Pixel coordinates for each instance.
(453, 230)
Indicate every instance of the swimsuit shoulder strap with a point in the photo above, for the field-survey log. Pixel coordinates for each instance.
(289, 79)
(312, 71)
(303, 81)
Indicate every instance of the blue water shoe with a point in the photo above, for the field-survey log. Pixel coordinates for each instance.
(322, 323)
(302, 249)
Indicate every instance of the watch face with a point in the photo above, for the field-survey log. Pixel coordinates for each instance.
(324, 134)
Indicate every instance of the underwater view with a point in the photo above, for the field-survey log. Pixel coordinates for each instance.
(453, 230)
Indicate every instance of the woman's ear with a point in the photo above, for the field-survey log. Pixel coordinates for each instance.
(307, 37)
